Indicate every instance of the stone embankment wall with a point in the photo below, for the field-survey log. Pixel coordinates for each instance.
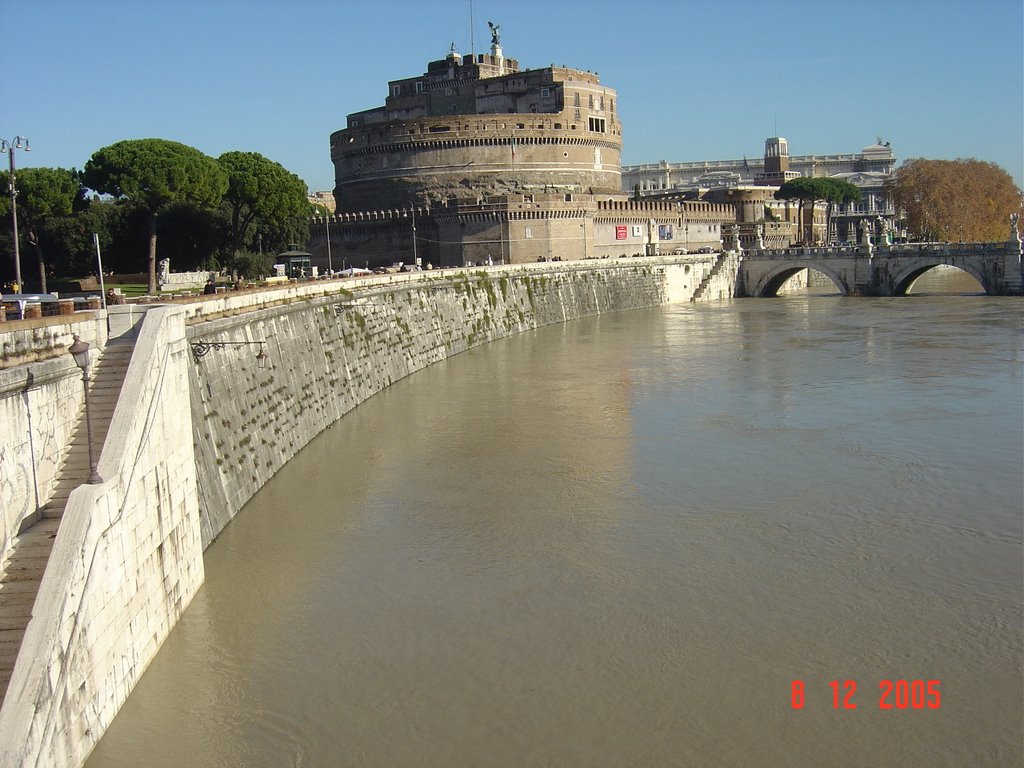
(126, 563)
(41, 395)
(128, 558)
(330, 352)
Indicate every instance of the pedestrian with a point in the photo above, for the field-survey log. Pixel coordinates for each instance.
(210, 287)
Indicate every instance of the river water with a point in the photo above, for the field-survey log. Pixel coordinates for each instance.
(618, 542)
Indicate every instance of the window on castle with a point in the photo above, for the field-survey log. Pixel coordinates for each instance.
(575, 99)
(597, 124)
(545, 93)
(396, 90)
(590, 99)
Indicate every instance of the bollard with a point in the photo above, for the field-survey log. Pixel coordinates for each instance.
(93, 302)
(66, 307)
(33, 309)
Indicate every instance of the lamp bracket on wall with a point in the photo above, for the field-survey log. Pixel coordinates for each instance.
(201, 348)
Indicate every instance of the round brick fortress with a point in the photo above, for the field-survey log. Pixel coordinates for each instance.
(477, 127)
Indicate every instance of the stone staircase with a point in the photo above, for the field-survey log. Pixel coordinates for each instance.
(22, 570)
(719, 263)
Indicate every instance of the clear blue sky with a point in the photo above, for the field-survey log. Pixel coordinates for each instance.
(697, 80)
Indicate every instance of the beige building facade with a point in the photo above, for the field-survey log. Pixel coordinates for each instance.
(478, 125)
(476, 161)
(739, 181)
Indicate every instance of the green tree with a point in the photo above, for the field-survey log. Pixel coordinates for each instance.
(836, 192)
(43, 194)
(801, 189)
(261, 196)
(809, 190)
(192, 238)
(281, 234)
(252, 265)
(155, 174)
(964, 199)
(69, 245)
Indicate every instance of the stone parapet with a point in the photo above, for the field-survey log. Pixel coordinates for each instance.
(42, 338)
(39, 409)
(125, 565)
(41, 395)
(185, 279)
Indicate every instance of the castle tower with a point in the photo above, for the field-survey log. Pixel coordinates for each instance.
(776, 163)
(776, 155)
(476, 126)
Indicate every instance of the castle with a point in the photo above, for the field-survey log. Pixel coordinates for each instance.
(477, 161)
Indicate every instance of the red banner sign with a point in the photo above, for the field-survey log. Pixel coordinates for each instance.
(620, 232)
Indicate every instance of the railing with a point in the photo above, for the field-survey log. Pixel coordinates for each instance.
(881, 251)
(860, 210)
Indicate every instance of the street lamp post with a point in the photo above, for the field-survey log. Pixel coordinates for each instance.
(80, 351)
(10, 146)
(415, 255)
(327, 223)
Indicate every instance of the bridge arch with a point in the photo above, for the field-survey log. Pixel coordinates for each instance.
(905, 279)
(771, 281)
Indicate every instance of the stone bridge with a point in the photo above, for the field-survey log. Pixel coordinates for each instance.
(886, 271)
